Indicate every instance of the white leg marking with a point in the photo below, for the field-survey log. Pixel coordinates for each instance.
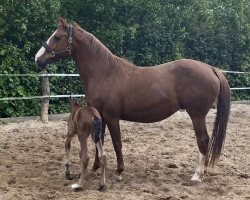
(99, 149)
(42, 50)
(75, 186)
(199, 169)
(102, 158)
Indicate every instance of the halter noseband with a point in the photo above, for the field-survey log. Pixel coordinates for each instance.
(67, 50)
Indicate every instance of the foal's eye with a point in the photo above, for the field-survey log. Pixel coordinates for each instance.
(57, 38)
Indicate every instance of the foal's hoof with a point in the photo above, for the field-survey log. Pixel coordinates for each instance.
(102, 188)
(76, 187)
(67, 175)
(72, 176)
(116, 177)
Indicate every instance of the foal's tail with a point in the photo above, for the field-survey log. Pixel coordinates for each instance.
(97, 122)
(220, 125)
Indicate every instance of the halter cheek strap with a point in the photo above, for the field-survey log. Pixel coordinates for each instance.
(67, 50)
(48, 49)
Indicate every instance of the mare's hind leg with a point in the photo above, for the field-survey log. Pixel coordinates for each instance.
(97, 163)
(70, 135)
(199, 124)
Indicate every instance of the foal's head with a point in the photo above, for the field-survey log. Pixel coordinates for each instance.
(58, 46)
(74, 105)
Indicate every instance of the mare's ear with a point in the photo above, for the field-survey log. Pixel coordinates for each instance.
(75, 25)
(61, 22)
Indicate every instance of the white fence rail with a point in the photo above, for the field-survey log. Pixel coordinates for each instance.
(41, 97)
(47, 96)
(81, 95)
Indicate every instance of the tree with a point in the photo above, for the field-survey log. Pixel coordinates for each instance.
(145, 32)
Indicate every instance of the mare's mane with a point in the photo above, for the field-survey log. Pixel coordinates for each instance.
(102, 52)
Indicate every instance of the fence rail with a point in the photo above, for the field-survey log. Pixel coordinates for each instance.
(56, 75)
(46, 96)
(77, 75)
(234, 72)
(39, 75)
(41, 97)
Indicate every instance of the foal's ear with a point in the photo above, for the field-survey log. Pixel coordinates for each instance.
(70, 100)
(61, 22)
(81, 101)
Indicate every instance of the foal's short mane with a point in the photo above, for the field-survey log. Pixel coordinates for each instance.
(98, 48)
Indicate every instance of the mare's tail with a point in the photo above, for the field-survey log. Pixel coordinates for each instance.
(220, 125)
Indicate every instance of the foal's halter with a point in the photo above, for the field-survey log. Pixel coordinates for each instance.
(52, 53)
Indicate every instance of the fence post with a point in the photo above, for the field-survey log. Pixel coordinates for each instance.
(45, 100)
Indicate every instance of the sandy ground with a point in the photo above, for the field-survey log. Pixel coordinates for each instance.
(159, 158)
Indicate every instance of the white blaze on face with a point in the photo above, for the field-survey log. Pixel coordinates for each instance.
(42, 50)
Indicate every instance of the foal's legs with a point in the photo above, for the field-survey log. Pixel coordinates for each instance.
(84, 159)
(97, 163)
(114, 129)
(102, 159)
(199, 124)
(70, 135)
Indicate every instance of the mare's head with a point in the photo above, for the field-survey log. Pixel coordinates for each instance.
(58, 46)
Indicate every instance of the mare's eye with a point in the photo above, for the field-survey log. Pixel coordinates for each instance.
(57, 38)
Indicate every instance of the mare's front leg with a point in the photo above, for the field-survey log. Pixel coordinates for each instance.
(97, 163)
(84, 159)
(70, 135)
(114, 129)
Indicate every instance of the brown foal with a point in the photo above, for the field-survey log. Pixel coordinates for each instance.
(83, 122)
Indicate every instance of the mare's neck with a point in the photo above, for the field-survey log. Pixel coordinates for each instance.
(94, 61)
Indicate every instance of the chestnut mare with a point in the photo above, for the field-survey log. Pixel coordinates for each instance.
(121, 90)
(83, 122)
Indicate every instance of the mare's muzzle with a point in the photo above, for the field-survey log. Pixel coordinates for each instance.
(42, 63)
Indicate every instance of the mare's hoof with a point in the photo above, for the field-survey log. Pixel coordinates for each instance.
(196, 178)
(76, 187)
(102, 188)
